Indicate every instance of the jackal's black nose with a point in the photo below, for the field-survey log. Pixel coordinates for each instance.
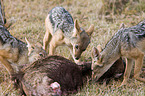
(76, 58)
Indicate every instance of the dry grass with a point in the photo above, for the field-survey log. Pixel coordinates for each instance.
(28, 18)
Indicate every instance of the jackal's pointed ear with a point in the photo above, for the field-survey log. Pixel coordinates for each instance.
(30, 48)
(76, 25)
(95, 52)
(99, 48)
(90, 30)
(28, 43)
(122, 26)
(77, 29)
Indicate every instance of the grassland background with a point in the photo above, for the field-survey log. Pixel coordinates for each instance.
(28, 16)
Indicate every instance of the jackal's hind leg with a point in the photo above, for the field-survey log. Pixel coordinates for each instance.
(129, 64)
(137, 69)
(46, 40)
(7, 65)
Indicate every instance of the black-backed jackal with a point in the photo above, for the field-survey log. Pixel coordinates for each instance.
(14, 51)
(128, 43)
(62, 30)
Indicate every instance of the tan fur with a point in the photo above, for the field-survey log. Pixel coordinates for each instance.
(128, 43)
(47, 36)
(58, 38)
(134, 54)
(99, 47)
(9, 56)
(137, 55)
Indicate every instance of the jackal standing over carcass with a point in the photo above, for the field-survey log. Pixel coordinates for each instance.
(62, 30)
(128, 43)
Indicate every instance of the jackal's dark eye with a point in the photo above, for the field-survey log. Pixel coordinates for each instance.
(76, 46)
(41, 54)
(32, 47)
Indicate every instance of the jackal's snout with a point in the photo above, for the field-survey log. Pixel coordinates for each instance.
(77, 56)
(78, 51)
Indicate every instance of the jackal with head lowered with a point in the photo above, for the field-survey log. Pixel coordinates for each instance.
(128, 43)
(62, 30)
(14, 51)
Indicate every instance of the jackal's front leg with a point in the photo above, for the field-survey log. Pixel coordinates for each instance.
(138, 66)
(52, 46)
(7, 54)
(46, 40)
(55, 41)
(52, 49)
(129, 64)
